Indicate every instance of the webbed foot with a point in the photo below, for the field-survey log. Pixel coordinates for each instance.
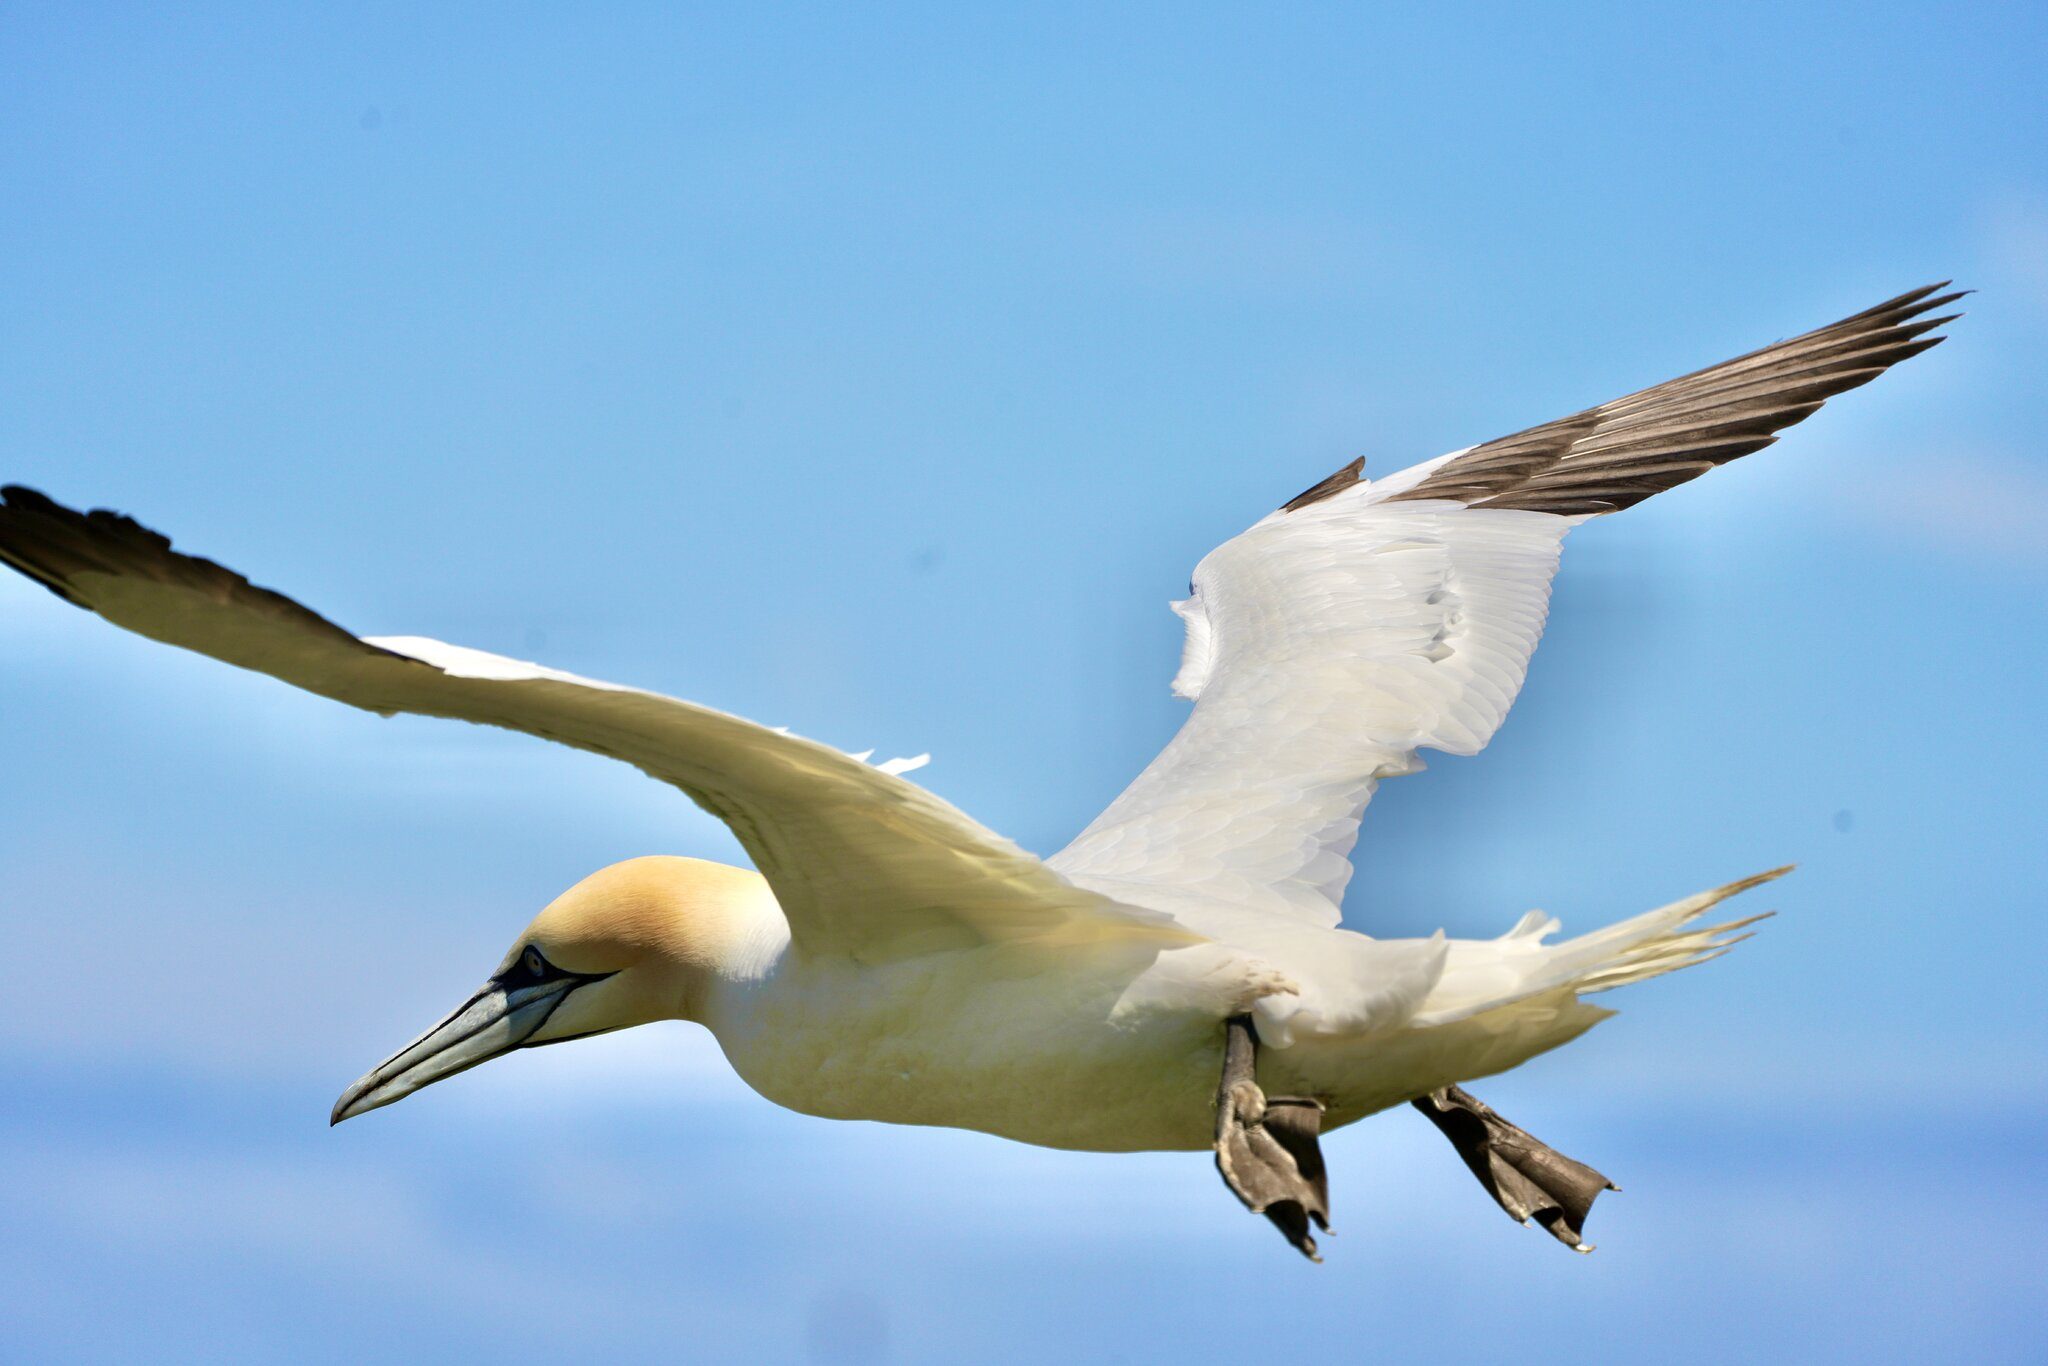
(1266, 1147)
(1529, 1179)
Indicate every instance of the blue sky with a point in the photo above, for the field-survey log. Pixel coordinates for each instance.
(882, 374)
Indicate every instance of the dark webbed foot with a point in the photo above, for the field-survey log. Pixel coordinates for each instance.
(1266, 1148)
(1530, 1180)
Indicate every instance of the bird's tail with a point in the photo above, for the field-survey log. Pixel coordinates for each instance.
(1657, 942)
(1484, 974)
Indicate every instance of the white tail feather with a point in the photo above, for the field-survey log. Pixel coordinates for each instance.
(1483, 974)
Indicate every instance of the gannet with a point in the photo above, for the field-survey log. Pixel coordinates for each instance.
(1175, 978)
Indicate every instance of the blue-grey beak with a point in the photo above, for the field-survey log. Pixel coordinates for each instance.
(502, 1016)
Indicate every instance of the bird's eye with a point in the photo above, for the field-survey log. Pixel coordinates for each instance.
(534, 964)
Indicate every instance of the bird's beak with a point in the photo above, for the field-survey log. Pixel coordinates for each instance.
(499, 1018)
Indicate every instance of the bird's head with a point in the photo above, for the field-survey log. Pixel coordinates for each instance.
(639, 941)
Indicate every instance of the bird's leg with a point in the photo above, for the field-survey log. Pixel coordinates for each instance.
(1529, 1179)
(1266, 1147)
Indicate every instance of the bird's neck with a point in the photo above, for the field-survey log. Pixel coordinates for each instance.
(731, 943)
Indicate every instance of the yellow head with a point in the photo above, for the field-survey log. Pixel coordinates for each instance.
(639, 941)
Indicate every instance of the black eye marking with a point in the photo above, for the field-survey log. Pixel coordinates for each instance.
(532, 968)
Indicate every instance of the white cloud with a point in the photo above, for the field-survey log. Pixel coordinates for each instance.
(1992, 508)
(968, 1246)
(2016, 229)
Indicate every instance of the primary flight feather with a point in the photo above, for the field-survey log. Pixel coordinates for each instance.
(1177, 976)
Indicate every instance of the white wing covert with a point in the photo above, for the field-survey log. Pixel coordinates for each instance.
(1365, 621)
(1340, 639)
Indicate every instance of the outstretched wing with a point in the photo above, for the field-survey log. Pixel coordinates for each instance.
(1366, 620)
(863, 862)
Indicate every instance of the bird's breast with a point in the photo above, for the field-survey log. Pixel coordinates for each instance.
(1099, 1051)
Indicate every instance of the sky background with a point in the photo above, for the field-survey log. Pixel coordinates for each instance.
(882, 373)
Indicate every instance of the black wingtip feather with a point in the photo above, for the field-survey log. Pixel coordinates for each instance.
(23, 511)
(69, 552)
(1759, 393)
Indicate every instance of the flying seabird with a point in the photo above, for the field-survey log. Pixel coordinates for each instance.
(1175, 978)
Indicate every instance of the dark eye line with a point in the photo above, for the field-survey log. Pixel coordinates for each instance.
(534, 968)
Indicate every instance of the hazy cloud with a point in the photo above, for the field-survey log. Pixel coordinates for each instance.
(1982, 506)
